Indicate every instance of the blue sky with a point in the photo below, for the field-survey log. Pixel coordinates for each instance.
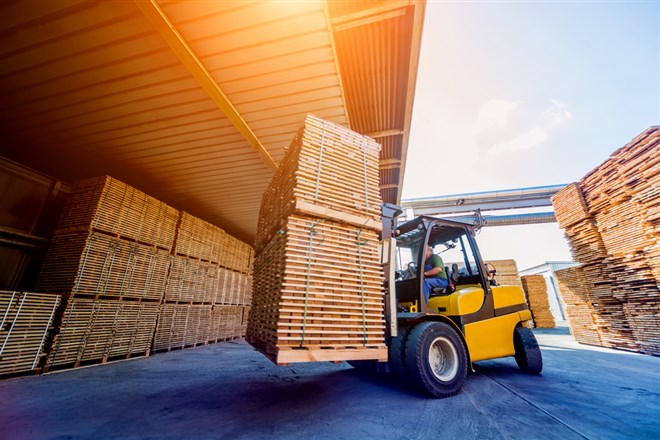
(519, 94)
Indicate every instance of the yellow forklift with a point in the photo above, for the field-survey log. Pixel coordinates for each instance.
(433, 344)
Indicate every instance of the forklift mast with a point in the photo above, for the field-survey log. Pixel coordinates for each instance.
(389, 216)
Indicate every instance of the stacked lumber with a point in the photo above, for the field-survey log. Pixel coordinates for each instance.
(97, 264)
(182, 325)
(577, 298)
(327, 170)
(125, 262)
(228, 322)
(105, 204)
(25, 321)
(208, 286)
(317, 289)
(98, 330)
(506, 272)
(536, 291)
(616, 234)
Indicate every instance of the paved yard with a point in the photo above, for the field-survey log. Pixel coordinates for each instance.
(229, 391)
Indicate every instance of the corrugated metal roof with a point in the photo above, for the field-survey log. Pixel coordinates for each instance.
(92, 88)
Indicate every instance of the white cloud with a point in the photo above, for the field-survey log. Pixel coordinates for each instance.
(494, 113)
(526, 141)
(557, 113)
(554, 116)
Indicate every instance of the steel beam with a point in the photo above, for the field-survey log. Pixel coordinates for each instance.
(486, 201)
(166, 29)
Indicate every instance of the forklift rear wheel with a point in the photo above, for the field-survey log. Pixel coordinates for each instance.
(436, 360)
(528, 353)
(396, 355)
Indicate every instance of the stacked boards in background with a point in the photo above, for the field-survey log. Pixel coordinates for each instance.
(209, 287)
(536, 292)
(138, 275)
(109, 259)
(318, 292)
(25, 322)
(611, 218)
(506, 272)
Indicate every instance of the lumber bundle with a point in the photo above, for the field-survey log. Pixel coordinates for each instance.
(617, 237)
(228, 322)
(506, 272)
(577, 298)
(25, 321)
(317, 289)
(126, 261)
(95, 331)
(327, 171)
(182, 325)
(107, 205)
(536, 291)
(97, 264)
(199, 239)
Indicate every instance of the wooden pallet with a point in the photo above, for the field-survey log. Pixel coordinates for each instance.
(108, 205)
(536, 292)
(291, 355)
(97, 264)
(25, 321)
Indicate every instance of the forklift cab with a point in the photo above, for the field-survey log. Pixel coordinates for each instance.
(434, 343)
(454, 242)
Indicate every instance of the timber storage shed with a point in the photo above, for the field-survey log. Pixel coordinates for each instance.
(193, 102)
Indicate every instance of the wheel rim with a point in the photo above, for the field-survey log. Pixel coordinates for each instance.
(443, 359)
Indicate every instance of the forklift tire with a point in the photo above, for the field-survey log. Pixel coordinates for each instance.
(436, 360)
(528, 354)
(396, 355)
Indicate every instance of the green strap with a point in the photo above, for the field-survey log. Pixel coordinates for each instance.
(318, 172)
(312, 233)
(364, 319)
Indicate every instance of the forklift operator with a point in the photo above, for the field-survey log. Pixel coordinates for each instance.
(434, 273)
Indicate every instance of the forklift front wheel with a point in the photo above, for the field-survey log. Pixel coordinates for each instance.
(436, 360)
(528, 354)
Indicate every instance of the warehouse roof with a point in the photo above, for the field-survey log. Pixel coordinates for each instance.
(195, 102)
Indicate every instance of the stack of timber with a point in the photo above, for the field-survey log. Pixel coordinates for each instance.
(136, 275)
(109, 259)
(317, 292)
(617, 236)
(506, 272)
(577, 298)
(99, 330)
(113, 207)
(25, 322)
(327, 172)
(536, 291)
(208, 288)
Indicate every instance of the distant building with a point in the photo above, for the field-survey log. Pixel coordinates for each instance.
(548, 269)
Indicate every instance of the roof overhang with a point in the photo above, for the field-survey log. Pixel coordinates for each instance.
(195, 102)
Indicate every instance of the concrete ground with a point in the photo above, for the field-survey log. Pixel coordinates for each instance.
(229, 391)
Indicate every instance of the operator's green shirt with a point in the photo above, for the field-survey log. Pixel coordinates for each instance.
(435, 261)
